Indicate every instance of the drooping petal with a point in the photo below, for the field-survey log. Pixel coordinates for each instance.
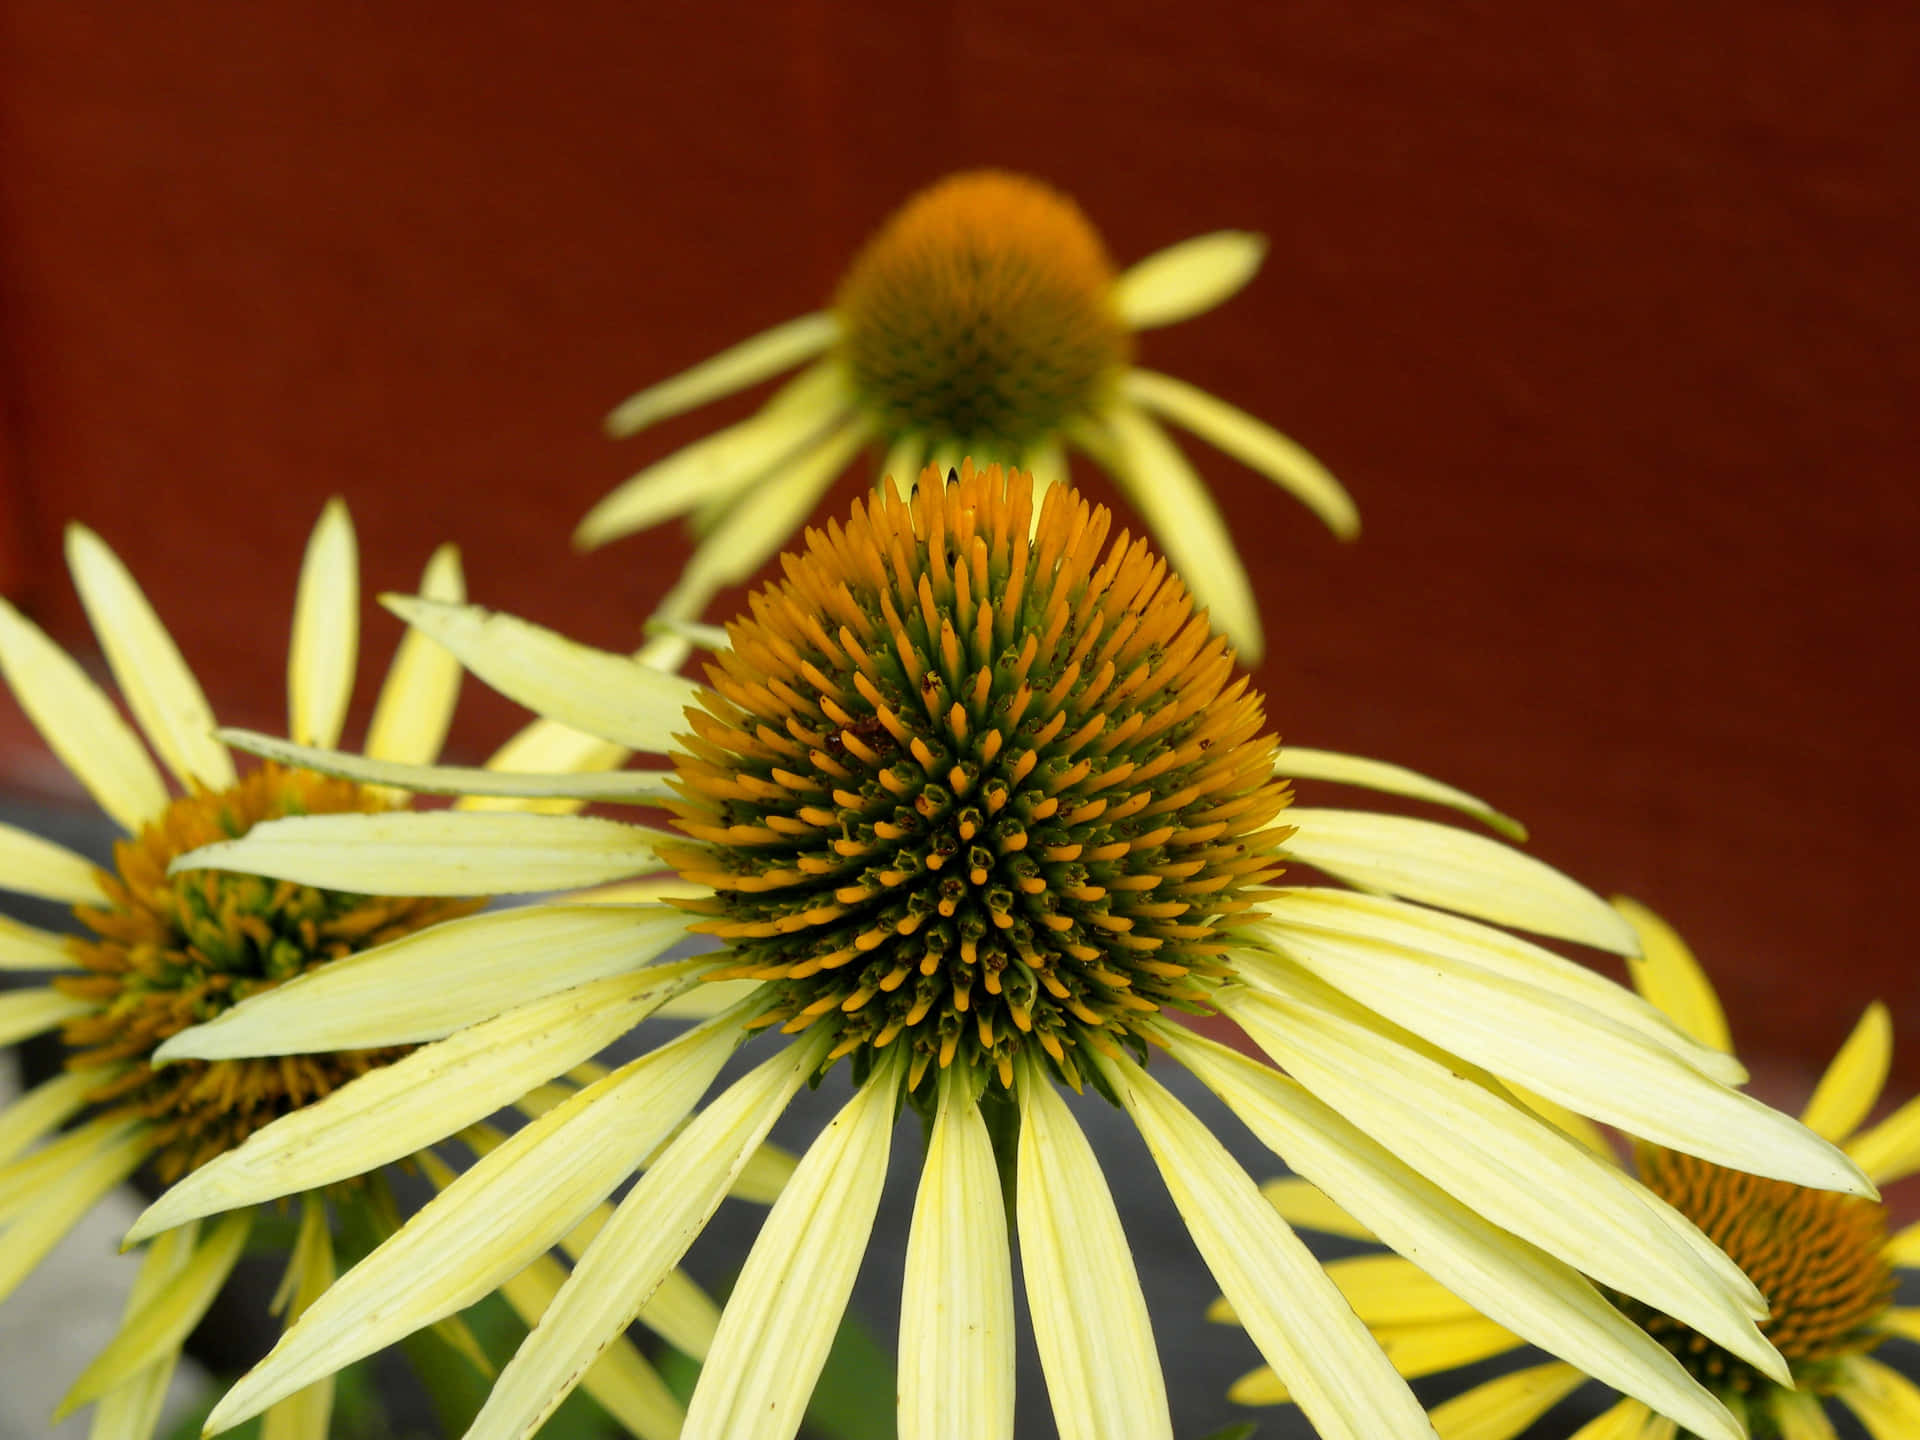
(1301, 1324)
(415, 708)
(1187, 279)
(1304, 1206)
(1089, 1319)
(146, 664)
(1500, 1409)
(1578, 1057)
(1887, 1403)
(80, 725)
(1667, 974)
(1389, 1290)
(1299, 763)
(43, 1109)
(612, 696)
(1890, 1151)
(1904, 1248)
(650, 1230)
(163, 1323)
(433, 982)
(1513, 1283)
(23, 1181)
(434, 852)
(629, 787)
(29, 1012)
(1577, 1128)
(1800, 1416)
(1455, 870)
(735, 368)
(26, 947)
(1849, 1090)
(1166, 490)
(492, 1221)
(30, 865)
(798, 1276)
(306, 1414)
(132, 1410)
(956, 1310)
(1627, 1420)
(1252, 442)
(326, 631)
(388, 1113)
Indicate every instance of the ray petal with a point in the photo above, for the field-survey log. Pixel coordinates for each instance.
(30, 865)
(131, 1411)
(1304, 1206)
(415, 708)
(26, 947)
(1187, 279)
(1299, 763)
(43, 1109)
(1890, 1150)
(1667, 974)
(1849, 1090)
(1799, 1415)
(1500, 1409)
(326, 631)
(735, 368)
(29, 1012)
(1887, 1403)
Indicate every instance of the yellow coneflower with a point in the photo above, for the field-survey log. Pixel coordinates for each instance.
(159, 953)
(1823, 1260)
(984, 319)
(977, 804)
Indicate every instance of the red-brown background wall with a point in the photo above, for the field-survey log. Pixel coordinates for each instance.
(1606, 316)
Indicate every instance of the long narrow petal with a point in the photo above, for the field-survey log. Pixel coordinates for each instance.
(434, 852)
(43, 1109)
(491, 1221)
(1627, 1420)
(79, 723)
(164, 1322)
(956, 1310)
(717, 468)
(24, 1180)
(1578, 1057)
(1290, 1308)
(59, 1206)
(1168, 492)
(1299, 763)
(30, 865)
(1456, 870)
(423, 1097)
(1887, 1403)
(29, 1012)
(1416, 927)
(1667, 974)
(1251, 441)
(433, 982)
(306, 1414)
(629, 787)
(1800, 1416)
(146, 664)
(326, 631)
(1089, 1319)
(735, 368)
(1525, 1177)
(1187, 279)
(798, 1276)
(1303, 1205)
(132, 1410)
(1539, 1298)
(650, 1230)
(1389, 1290)
(612, 696)
(1890, 1151)
(1500, 1409)
(27, 947)
(1850, 1088)
(415, 708)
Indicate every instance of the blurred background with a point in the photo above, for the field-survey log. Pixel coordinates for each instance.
(1605, 318)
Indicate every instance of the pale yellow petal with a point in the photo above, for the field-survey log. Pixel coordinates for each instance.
(711, 638)
(1047, 463)
(1887, 1403)
(1187, 279)
(546, 746)
(1164, 487)
(436, 981)
(30, 865)
(146, 664)
(735, 368)
(469, 1239)
(650, 1230)
(25, 1179)
(629, 787)
(956, 1310)
(612, 696)
(766, 1173)
(1500, 1409)
(1299, 763)
(1578, 1057)
(1251, 441)
(1850, 1088)
(706, 1000)
(797, 1278)
(1089, 1319)
(415, 708)
(1455, 870)
(58, 1206)
(43, 1109)
(434, 852)
(29, 1012)
(1303, 1205)
(132, 1410)
(1259, 1387)
(163, 1323)
(326, 631)
(27, 947)
(1667, 974)
(900, 467)
(1387, 1290)
(1314, 1342)
(419, 1099)
(1800, 1416)
(79, 723)
(306, 1414)
(1575, 1127)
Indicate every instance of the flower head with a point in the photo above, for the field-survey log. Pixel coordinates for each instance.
(1823, 1260)
(984, 319)
(973, 800)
